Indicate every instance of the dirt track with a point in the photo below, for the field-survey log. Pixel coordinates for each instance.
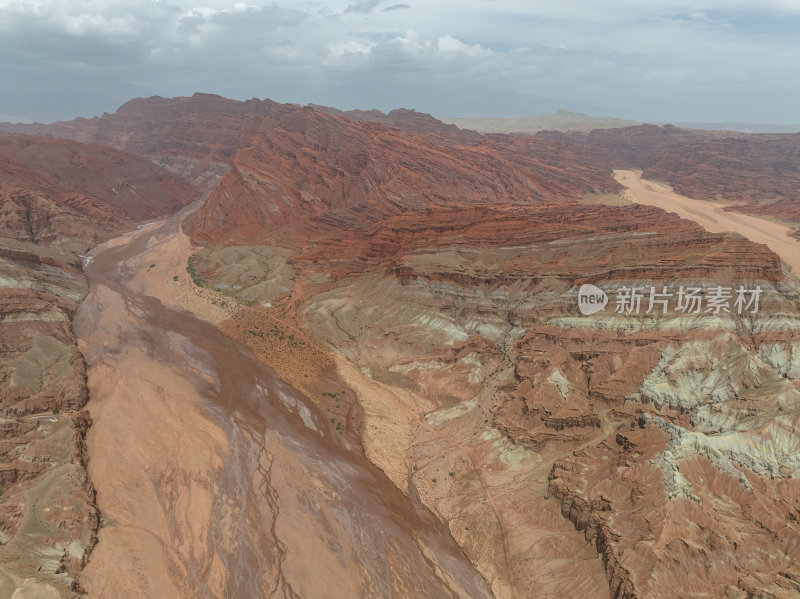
(712, 216)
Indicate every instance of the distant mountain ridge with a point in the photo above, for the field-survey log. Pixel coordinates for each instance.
(199, 137)
(565, 120)
(740, 127)
(561, 120)
(404, 119)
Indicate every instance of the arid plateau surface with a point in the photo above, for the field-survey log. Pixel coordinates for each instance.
(253, 349)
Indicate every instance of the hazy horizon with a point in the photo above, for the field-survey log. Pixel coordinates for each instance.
(749, 127)
(669, 60)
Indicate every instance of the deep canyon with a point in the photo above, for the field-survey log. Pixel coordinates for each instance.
(315, 353)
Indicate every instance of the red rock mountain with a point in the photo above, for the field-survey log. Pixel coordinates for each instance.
(52, 190)
(332, 172)
(761, 173)
(197, 137)
(194, 137)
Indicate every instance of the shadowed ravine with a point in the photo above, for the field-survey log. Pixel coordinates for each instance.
(216, 479)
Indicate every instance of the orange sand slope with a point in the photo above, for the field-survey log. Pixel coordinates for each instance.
(712, 216)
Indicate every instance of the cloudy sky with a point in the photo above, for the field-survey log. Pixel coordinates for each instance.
(658, 60)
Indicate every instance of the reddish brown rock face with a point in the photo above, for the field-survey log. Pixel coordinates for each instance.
(488, 337)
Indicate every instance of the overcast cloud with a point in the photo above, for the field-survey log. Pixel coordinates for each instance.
(661, 60)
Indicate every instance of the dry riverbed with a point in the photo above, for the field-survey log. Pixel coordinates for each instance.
(712, 216)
